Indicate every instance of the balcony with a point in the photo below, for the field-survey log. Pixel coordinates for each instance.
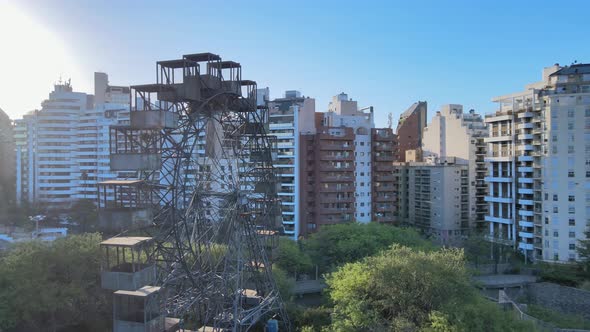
(338, 178)
(527, 125)
(384, 188)
(525, 213)
(525, 191)
(388, 208)
(384, 178)
(333, 168)
(333, 199)
(337, 211)
(525, 223)
(385, 219)
(497, 138)
(501, 220)
(384, 199)
(383, 158)
(526, 114)
(525, 246)
(504, 179)
(336, 147)
(349, 157)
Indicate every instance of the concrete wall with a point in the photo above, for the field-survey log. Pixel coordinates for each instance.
(560, 298)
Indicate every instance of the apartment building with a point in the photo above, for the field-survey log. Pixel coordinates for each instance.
(344, 113)
(62, 150)
(347, 168)
(328, 191)
(410, 128)
(289, 118)
(434, 197)
(7, 171)
(384, 187)
(453, 133)
(539, 165)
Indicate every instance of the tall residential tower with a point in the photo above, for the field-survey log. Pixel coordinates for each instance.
(539, 165)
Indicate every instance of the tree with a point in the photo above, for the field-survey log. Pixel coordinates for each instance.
(584, 252)
(339, 244)
(85, 213)
(407, 289)
(292, 259)
(53, 286)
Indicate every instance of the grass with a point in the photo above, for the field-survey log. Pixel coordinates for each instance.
(566, 321)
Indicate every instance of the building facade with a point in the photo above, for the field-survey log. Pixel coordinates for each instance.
(289, 118)
(384, 185)
(7, 162)
(410, 128)
(347, 168)
(344, 113)
(539, 165)
(453, 133)
(433, 197)
(62, 150)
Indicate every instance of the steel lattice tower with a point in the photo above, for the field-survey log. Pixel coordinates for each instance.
(205, 193)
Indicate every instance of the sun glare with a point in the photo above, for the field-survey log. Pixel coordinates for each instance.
(32, 58)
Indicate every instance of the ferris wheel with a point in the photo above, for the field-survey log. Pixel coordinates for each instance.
(200, 211)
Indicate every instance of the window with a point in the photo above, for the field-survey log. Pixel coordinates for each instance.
(572, 209)
(572, 234)
(546, 196)
(572, 246)
(571, 198)
(570, 149)
(588, 174)
(555, 234)
(570, 126)
(588, 112)
(572, 222)
(546, 220)
(555, 197)
(570, 113)
(554, 149)
(554, 138)
(570, 174)
(555, 209)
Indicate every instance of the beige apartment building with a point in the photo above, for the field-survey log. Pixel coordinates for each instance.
(453, 133)
(434, 197)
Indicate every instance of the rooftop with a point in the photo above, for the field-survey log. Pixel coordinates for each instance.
(582, 68)
(120, 182)
(142, 292)
(129, 241)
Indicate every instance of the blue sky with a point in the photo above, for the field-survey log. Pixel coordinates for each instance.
(382, 53)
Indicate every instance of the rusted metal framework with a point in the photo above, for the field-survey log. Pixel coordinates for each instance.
(200, 146)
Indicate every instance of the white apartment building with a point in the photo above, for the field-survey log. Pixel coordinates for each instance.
(539, 165)
(62, 150)
(289, 117)
(344, 112)
(452, 133)
(434, 197)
